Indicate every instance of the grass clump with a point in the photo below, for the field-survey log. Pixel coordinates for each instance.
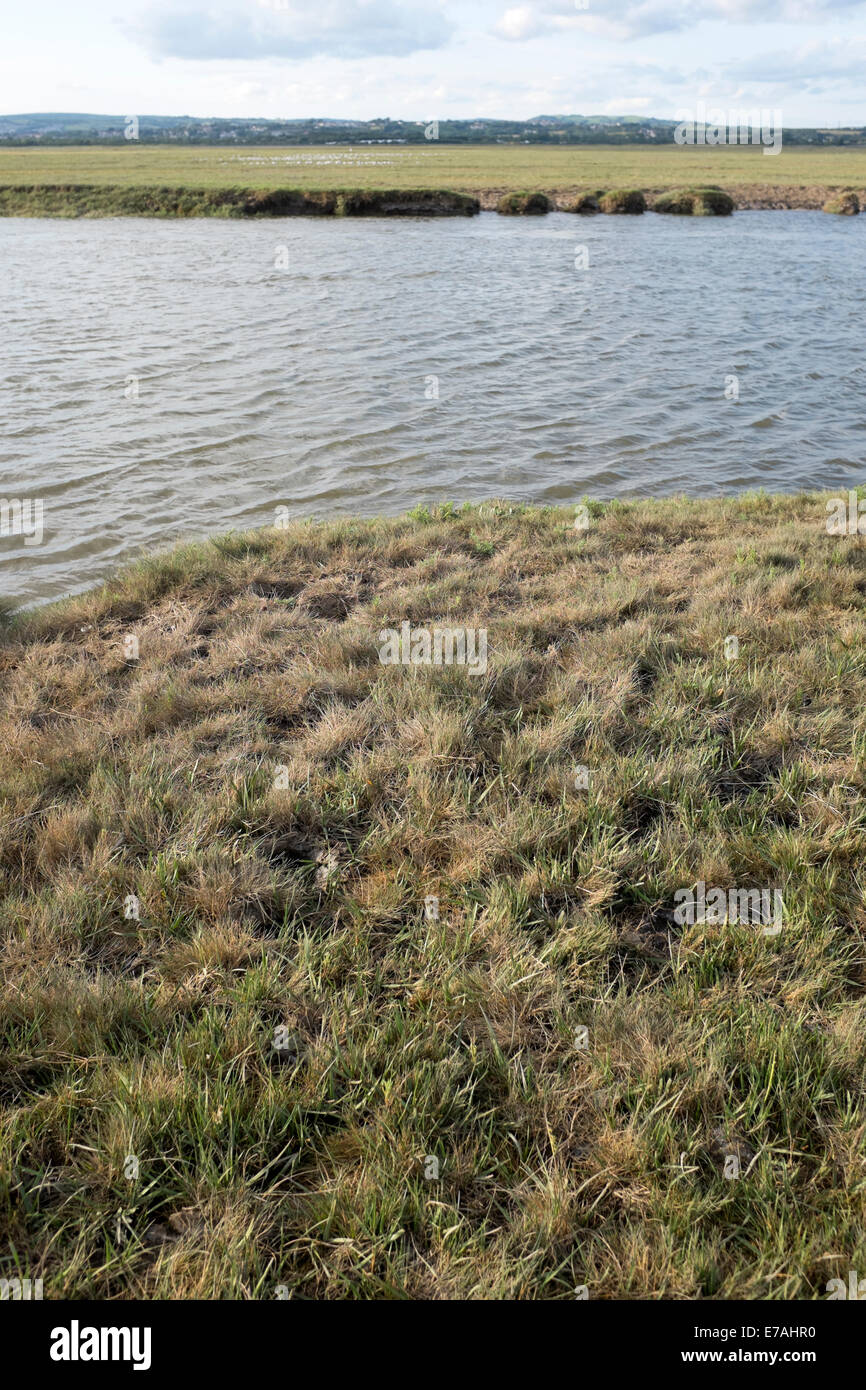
(845, 204)
(586, 203)
(419, 202)
(220, 960)
(524, 204)
(696, 202)
(623, 200)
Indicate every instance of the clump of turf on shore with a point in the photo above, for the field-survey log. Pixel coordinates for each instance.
(696, 202)
(844, 204)
(623, 200)
(586, 202)
(524, 204)
(420, 202)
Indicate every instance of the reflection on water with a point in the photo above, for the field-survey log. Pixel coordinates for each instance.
(162, 379)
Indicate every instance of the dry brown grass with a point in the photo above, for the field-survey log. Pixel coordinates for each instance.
(280, 804)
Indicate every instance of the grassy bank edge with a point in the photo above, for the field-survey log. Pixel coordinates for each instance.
(435, 1124)
(120, 200)
(107, 200)
(191, 564)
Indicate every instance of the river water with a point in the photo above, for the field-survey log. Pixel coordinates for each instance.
(163, 379)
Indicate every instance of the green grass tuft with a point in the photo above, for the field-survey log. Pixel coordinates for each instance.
(623, 200)
(523, 204)
(696, 202)
(846, 204)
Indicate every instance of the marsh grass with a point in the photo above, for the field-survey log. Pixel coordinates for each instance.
(629, 201)
(696, 202)
(124, 200)
(524, 204)
(281, 804)
(563, 171)
(847, 204)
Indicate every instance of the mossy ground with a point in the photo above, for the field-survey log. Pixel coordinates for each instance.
(280, 804)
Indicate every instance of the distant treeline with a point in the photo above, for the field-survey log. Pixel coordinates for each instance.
(71, 129)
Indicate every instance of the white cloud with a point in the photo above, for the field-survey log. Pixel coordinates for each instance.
(420, 59)
(639, 106)
(245, 91)
(641, 18)
(814, 67)
(521, 22)
(296, 29)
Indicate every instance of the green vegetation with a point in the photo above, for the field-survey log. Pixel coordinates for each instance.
(277, 805)
(799, 176)
(696, 202)
(623, 200)
(523, 204)
(846, 205)
(586, 203)
(49, 200)
(417, 202)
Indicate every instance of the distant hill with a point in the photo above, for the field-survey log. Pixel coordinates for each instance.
(77, 128)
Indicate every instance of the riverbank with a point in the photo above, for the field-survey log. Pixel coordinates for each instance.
(364, 977)
(96, 200)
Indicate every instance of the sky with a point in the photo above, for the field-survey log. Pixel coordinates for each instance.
(431, 59)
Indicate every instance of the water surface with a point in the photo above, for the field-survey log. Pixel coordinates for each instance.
(182, 378)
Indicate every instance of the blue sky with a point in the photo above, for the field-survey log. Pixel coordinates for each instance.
(434, 58)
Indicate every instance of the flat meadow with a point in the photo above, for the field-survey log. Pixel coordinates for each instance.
(475, 168)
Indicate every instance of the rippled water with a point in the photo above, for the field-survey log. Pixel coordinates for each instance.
(311, 386)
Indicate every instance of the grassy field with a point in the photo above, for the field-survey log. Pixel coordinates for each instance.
(240, 1049)
(477, 169)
